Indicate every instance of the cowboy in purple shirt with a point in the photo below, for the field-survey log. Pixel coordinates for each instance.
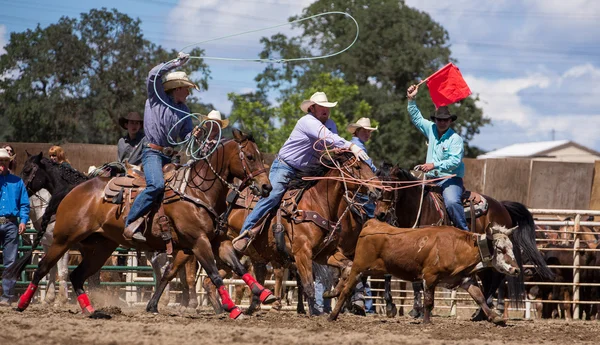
(14, 209)
(164, 109)
(296, 154)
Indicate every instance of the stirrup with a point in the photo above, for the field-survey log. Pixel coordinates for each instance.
(134, 228)
(242, 242)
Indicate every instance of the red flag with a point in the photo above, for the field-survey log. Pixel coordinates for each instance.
(447, 86)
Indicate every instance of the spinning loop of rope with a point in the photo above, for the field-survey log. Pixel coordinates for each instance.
(192, 145)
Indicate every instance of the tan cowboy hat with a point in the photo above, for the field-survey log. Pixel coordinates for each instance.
(319, 98)
(133, 116)
(4, 155)
(91, 169)
(215, 115)
(177, 79)
(363, 122)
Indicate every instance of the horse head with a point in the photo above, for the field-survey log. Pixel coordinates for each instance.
(250, 167)
(503, 256)
(385, 206)
(34, 175)
(357, 175)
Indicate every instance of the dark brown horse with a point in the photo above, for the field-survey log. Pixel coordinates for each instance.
(84, 217)
(405, 209)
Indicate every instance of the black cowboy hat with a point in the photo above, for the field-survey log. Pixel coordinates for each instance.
(133, 116)
(443, 113)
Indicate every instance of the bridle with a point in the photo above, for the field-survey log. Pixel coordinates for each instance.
(249, 175)
(30, 178)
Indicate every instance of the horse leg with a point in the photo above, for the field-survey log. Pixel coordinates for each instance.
(417, 310)
(159, 263)
(95, 250)
(56, 250)
(402, 296)
(51, 279)
(300, 305)
(227, 254)
(344, 265)
(491, 281)
(390, 307)
(211, 292)
(478, 296)
(63, 275)
(204, 254)
(348, 288)
(191, 268)
(304, 267)
(170, 272)
(260, 271)
(278, 273)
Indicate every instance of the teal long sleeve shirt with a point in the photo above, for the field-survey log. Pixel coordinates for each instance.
(445, 152)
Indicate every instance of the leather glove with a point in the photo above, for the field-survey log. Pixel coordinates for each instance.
(182, 59)
(359, 153)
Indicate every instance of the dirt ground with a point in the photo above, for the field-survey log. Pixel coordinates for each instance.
(52, 325)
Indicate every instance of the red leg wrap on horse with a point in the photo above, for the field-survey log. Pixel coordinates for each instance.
(84, 303)
(256, 288)
(235, 313)
(226, 301)
(27, 296)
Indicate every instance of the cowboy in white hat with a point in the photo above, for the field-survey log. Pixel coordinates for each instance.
(14, 214)
(296, 154)
(361, 133)
(444, 155)
(213, 124)
(129, 147)
(165, 108)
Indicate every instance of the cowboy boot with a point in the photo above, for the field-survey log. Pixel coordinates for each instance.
(133, 231)
(242, 242)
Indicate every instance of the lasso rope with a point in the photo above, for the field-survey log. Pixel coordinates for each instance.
(193, 146)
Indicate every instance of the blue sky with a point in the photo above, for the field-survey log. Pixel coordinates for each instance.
(535, 64)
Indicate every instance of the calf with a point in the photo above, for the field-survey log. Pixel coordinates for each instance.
(441, 255)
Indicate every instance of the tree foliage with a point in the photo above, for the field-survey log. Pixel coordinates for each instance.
(397, 46)
(72, 80)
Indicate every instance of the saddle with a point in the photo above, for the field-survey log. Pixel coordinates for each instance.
(474, 204)
(122, 190)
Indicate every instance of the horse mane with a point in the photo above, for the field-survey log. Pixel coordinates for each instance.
(66, 173)
(402, 174)
(315, 170)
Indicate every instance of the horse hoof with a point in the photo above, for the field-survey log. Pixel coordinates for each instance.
(152, 309)
(100, 315)
(358, 310)
(498, 321)
(20, 310)
(479, 315)
(236, 314)
(391, 310)
(416, 314)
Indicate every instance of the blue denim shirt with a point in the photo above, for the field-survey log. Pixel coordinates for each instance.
(445, 152)
(356, 141)
(14, 201)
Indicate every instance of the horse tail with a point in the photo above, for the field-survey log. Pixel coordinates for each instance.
(13, 272)
(524, 238)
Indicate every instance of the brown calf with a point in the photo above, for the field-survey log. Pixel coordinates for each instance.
(441, 255)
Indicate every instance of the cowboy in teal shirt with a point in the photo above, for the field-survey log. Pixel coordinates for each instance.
(444, 155)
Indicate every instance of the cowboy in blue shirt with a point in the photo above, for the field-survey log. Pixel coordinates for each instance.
(444, 155)
(164, 109)
(14, 209)
(361, 133)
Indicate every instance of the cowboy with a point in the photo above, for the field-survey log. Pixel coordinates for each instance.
(361, 133)
(210, 123)
(14, 214)
(163, 122)
(296, 154)
(444, 155)
(129, 147)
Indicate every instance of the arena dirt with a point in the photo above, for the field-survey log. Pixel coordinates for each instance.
(51, 325)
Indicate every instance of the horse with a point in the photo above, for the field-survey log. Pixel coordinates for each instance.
(408, 203)
(84, 217)
(327, 199)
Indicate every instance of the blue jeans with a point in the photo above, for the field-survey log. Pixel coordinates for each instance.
(452, 190)
(153, 162)
(279, 177)
(369, 206)
(9, 237)
(323, 281)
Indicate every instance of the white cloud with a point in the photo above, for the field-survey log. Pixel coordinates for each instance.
(3, 38)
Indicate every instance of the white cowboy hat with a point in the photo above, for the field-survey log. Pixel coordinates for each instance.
(4, 155)
(319, 98)
(215, 115)
(363, 122)
(177, 79)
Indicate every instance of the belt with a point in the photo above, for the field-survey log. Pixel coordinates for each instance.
(284, 162)
(8, 219)
(167, 151)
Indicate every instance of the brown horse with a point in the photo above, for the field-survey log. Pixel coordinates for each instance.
(405, 208)
(305, 240)
(83, 217)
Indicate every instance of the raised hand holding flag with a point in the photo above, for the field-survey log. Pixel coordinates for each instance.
(447, 86)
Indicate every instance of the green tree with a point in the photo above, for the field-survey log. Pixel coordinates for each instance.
(397, 46)
(72, 80)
